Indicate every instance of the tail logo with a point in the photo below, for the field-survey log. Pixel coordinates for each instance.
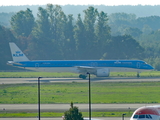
(18, 54)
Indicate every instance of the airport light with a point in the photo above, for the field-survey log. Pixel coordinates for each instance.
(39, 112)
(89, 86)
(123, 116)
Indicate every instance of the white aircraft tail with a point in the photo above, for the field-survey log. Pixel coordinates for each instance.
(17, 54)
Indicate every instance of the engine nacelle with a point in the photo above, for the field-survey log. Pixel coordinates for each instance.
(104, 72)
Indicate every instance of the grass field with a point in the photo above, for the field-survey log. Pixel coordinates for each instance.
(35, 74)
(60, 75)
(122, 92)
(54, 114)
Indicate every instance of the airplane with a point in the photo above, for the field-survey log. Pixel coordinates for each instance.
(147, 113)
(100, 68)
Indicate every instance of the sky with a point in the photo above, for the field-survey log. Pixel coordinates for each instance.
(79, 2)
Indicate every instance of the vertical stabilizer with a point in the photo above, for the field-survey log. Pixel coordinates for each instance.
(17, 54)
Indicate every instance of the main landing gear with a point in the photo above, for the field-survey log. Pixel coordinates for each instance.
(138, 75)
(82, 76)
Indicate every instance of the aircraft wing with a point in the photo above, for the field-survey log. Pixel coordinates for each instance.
(85, 69)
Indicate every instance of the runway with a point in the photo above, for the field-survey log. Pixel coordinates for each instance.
(60, 108)
(52, 80)
(63, 107)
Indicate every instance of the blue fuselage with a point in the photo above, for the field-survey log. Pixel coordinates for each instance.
(61, 65)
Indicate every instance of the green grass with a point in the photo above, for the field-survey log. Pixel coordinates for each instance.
(109, 114)
(53, 114)
(60, 75)
(107, 92)
(26, 114)
(122, 92)
(35, 74)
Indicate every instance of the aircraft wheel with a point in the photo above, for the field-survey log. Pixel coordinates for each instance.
(82, 76)
(138, 75)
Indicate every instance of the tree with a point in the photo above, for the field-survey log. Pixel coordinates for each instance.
(22, 23)
(89, 24)
(146, 29)
(57, 20)
(73, 113)
(102, 31)
(6, 36)
(120, 21)
(62, 35)
(124, 47)
(151, 44)
(42, 42)
(134, 32)
(43, 25)
(5, 18)
(70, 44)
(153, 22)
(80, 38)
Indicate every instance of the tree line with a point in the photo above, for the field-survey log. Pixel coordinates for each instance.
(145, 30)
(55, 35)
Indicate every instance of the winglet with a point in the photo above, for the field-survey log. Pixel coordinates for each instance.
(17, 54)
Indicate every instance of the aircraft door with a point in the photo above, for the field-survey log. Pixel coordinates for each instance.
(37, 65)
(138, 65)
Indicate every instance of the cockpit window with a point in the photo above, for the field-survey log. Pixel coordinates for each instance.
(150, 116)
(142, 116)
(147, 116)
(135, 116)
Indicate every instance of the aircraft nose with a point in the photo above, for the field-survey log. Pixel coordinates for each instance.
(151, 67)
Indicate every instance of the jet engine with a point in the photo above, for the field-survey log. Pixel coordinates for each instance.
(104, 72)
